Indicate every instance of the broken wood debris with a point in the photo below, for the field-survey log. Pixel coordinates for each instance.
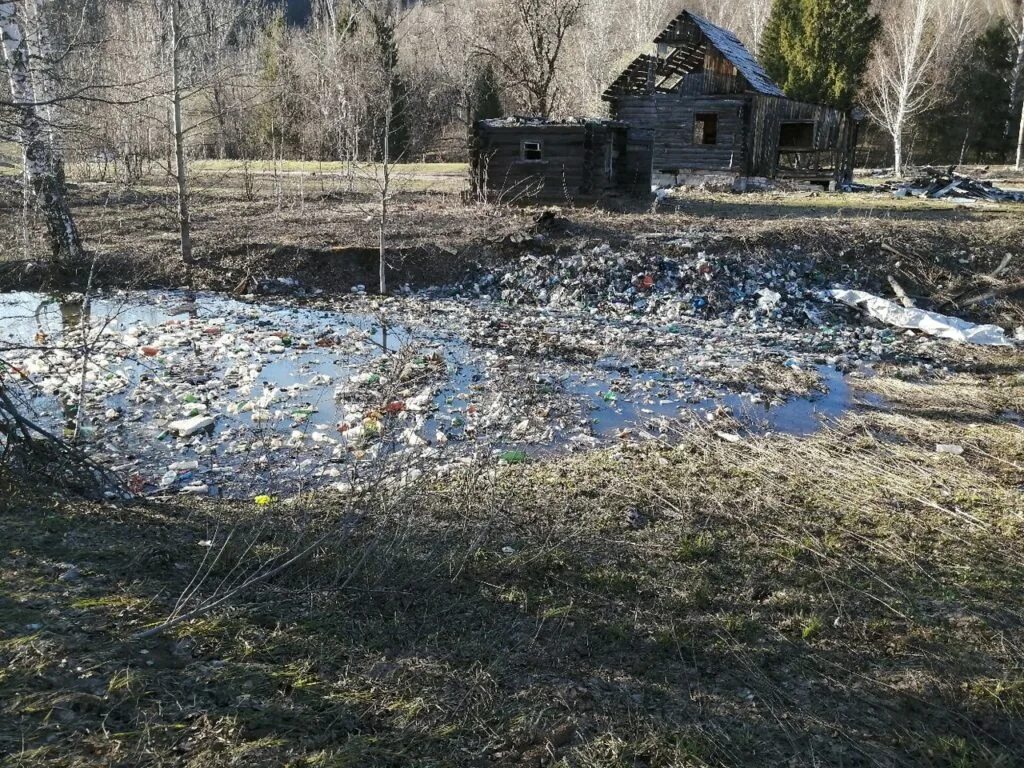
(937, 184)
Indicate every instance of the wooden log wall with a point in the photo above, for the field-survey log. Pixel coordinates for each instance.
(559, 174)
(670, 118)
(767, 116)
(575, 162)
(636, 159)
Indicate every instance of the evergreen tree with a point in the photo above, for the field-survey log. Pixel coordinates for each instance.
(989, 74)
(775, 40)
(818, 50)
(971, 120)
(486, 94)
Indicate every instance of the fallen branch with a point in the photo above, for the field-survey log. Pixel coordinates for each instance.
(901, 294)
(34, 441)
(995, 293)
(1003, 265)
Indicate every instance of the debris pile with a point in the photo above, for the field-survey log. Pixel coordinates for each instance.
(936, 184)
(681, 283)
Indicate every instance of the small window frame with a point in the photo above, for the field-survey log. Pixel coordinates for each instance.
(701, 122)
(534, 147)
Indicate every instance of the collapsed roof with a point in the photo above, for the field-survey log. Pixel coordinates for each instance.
(686, 40)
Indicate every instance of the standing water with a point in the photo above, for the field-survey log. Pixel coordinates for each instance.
(203, 394)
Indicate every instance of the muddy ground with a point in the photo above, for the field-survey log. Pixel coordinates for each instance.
(843, 599)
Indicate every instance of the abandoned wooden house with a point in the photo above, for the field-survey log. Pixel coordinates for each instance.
(699, 108)
(519, 158)
(709, 109)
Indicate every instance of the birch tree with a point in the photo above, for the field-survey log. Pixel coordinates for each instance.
(920, 39)
(1017, 84)
(44, 169)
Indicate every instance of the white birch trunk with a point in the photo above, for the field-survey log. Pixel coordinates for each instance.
(40, 56)
(45, 176)
(1018, 74)
(1020, 140)
(1018, 85)
(178, 131)
(897, 149)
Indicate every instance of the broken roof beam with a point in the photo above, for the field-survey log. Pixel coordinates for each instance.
(681, 31)
(637, 78)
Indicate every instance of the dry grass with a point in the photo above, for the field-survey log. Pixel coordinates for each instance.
(323, 226)
(847, 599)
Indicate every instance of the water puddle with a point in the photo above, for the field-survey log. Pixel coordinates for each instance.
(205, 394)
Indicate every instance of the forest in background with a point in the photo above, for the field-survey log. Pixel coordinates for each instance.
(940, 79)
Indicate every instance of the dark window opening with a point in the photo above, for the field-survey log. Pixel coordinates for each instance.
(796, 136)
(533, 150)
(705, 128)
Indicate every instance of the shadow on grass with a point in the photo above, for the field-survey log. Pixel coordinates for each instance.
(547, 628)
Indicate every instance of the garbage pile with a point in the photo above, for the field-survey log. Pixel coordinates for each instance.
(590, 345)
(937, 184)
(680, 283)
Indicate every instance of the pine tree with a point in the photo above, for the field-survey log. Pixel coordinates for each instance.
(777, 36)
(818, 50)
(988, 89)
(971, 120)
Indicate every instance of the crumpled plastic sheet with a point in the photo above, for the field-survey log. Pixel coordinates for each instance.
(932, 323)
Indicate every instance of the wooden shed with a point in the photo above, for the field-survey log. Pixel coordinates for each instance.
(565, 160)
(708, 108)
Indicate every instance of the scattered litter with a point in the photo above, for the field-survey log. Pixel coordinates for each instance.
(587, 346)
(768, 299)
(954, 450)
(189, 427)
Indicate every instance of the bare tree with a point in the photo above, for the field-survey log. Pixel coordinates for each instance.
(388, 139)
(198, 35)
(535, 33)
(746, 18)
(44, 169)
(920, 39)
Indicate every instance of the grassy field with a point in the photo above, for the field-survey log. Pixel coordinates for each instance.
(314, 166)
(848, 599)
